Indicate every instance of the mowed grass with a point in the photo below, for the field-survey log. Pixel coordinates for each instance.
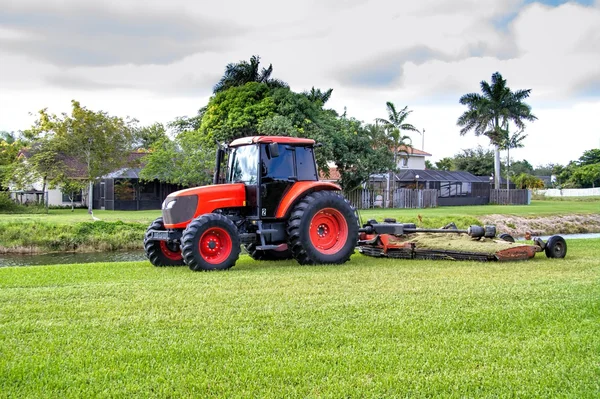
(369, 328)
(537, 208)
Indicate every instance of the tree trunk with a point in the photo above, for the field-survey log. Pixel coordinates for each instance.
(496, 167)
(89, 197)
(508, 173)
(72, 203)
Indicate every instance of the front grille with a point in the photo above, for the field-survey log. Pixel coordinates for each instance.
(183, 210)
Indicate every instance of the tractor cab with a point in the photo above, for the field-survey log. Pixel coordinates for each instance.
(268, 167)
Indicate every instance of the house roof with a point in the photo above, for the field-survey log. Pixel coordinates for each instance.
(413, 151)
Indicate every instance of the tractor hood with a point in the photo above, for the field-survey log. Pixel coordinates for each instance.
(180, 207)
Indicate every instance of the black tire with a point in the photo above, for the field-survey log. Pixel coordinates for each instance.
(335, 224)
(506, 237)
(257, 254)
(220, 243)
(161, 253)
(556, 247)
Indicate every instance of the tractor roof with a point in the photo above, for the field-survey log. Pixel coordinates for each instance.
(271, 139)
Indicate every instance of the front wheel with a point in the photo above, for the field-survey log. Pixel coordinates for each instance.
(210, 242)
(322, 229)
(162, 253)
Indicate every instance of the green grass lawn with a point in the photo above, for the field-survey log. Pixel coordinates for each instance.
(369, 328)
(537, 208)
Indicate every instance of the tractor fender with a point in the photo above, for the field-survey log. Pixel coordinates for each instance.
(299, 190)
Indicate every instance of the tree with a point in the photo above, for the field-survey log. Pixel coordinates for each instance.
(188, 160)
(394, 125)
(93, 141)
(237, 111)
(446, 163)
(429, 165)
(490, 113)
(477, 161)
(187, 123)
(587, 175)
(10, 145)
(525, 180)
(146, 136)
(240, 73)
(524, 166)
(590, 157)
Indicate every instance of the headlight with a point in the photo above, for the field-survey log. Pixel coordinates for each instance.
(168, 205)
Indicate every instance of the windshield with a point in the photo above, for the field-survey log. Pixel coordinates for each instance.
(243, 164)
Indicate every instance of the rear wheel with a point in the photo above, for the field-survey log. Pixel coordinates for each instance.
(210, 242)
(556, 247)
(258, 254)
(322, 229)
(162, 253)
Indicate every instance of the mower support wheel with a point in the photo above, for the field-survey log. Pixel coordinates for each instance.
(162, 253)
(210, 242)
(270, 254)
(322, 229)
(556, 247)
(506, 237)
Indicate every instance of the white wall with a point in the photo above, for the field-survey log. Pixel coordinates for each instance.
(570, 192)
(414, 162)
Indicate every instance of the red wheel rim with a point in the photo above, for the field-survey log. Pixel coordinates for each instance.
(215, 245)
(328, 231)
(173, 255)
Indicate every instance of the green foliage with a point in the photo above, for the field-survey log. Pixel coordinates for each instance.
(523, 166)
(587, 175)
(477, 161)
(94, 144)
(242, 72)
(525, 180)
(446, 163)
(355, 157)
(146, 136)
(590, 157)
(188, 160)
(10, 145)
(429, 165)
(236, 112)
(89, 236)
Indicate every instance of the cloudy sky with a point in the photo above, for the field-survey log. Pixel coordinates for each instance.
(155, 60)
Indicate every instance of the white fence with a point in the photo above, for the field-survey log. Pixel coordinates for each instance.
(570, 192)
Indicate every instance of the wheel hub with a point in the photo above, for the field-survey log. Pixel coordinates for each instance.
(328, 231)
(215, 245)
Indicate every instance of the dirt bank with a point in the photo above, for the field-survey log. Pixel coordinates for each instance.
(544, 225)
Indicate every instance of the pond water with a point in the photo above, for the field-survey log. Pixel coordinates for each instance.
(131, 256)
(66, 258)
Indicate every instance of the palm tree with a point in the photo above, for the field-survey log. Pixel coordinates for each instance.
(238, 74)
(489, 113)
(316, 95)
(394, 125)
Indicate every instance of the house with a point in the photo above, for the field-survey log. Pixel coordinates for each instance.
(411, 158)
(119, 190)
(124, 191)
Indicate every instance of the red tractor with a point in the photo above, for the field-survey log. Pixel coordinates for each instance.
(266, 195)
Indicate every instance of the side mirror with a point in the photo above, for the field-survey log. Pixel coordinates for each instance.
(274, 150)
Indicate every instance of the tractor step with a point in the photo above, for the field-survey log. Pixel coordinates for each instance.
(266, 231)
(267, 247)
